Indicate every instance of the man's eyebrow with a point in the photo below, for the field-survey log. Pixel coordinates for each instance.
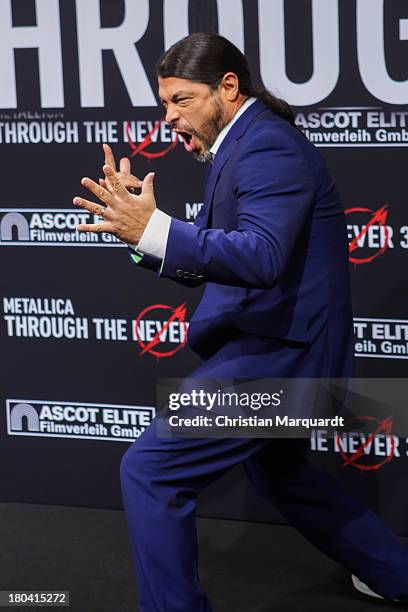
(182, 92)
(178, 94)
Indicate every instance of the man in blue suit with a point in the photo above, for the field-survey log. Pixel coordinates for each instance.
(270, 244)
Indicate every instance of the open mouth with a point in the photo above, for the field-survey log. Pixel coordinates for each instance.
(188, 140)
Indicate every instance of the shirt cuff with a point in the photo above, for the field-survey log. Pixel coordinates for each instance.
(154, 238)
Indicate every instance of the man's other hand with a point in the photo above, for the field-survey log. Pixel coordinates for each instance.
(124, 174)
(122, 214)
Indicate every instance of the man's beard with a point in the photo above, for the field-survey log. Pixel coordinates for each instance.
(210, 131)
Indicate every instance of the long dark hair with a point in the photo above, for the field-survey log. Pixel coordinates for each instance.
(205, 58)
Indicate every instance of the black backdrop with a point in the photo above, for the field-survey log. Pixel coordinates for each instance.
(77, 381)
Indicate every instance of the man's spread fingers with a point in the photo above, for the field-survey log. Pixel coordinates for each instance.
(124, 165)
(97, 190)
(95, 228)
(117, 186)
(125, 179)
(109, 158)
(94, 208)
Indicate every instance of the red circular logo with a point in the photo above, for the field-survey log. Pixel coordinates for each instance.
(383, 427)
(358, 245)
(140, 149)
(151, 339)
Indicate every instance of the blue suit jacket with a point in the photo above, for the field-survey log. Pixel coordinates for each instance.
(271, 244)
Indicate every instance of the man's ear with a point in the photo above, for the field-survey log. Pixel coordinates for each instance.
(230, 86)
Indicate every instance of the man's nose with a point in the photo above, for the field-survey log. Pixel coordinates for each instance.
(172, 114)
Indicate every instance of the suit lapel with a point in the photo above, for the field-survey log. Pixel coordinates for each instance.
(225, 150)
(212, 179)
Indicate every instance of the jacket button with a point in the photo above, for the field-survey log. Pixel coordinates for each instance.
(193, 275)
(186, 275)
(179, 273)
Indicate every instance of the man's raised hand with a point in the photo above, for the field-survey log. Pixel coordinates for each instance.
(123, 214)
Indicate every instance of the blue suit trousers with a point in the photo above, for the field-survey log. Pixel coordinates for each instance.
(162, 477)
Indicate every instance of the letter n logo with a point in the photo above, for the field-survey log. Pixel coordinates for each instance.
(14, 220)
(23, 417)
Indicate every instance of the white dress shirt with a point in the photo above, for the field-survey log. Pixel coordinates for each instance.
(154, 238)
